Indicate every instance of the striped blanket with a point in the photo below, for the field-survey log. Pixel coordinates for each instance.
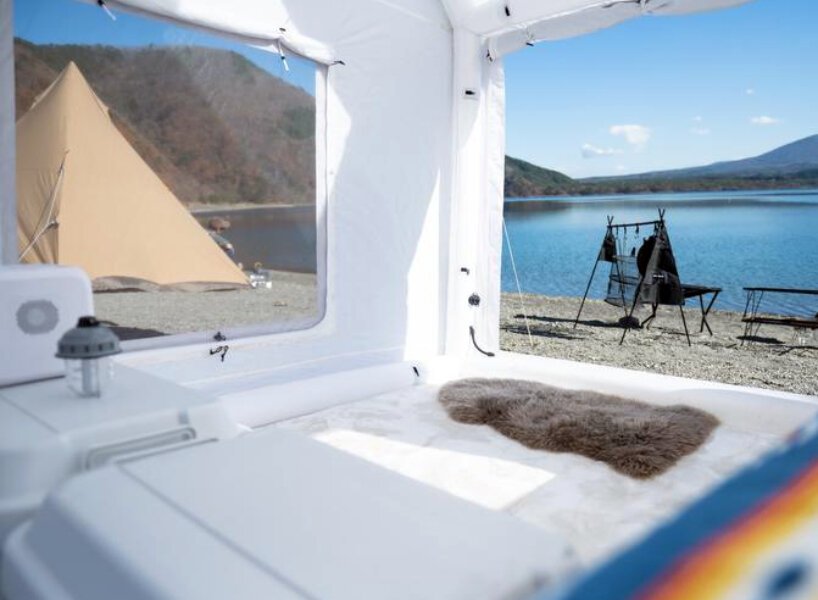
(754, 537)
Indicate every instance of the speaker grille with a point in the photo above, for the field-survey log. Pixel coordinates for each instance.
(37, 316)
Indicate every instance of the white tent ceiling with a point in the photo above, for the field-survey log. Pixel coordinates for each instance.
(507, 24)
(492, 17)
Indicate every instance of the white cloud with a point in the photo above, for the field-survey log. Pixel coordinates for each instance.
(636, 135)
(750, 92)
(764, 120)
(699, 128)
(591, 151)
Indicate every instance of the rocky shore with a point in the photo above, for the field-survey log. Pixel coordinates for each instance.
(778, 358)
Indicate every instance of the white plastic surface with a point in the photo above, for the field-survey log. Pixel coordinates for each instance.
(271, 514)
(271, 403)
(48, 434)
(38, 303)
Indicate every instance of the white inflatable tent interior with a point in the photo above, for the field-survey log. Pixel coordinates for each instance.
(412, 161)
(412, 164)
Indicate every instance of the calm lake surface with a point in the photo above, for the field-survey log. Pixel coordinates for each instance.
(279, 237)
(720, 239)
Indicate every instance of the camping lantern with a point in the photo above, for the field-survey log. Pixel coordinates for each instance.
(87, 350)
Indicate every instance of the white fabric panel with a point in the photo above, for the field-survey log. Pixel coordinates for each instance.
(566, 26)
(469, 149)
(477, 202)
(8, 205)
(263, 22)
(589, 17)
(490, 242)
(489, 17)
(247, 18)
(390, 142)
(684, 7)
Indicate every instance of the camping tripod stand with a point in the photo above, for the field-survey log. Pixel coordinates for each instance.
(655, 282)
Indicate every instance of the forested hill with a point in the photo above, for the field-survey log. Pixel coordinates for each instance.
(526, 179)
(218, 129)
(212, 125)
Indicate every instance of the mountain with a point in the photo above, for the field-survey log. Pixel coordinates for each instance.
(218, 129)
(794, 165)
(211, 124)
(526, 179)
(791, 159)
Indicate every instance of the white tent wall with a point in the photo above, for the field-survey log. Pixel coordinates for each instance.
(477, 198)
(8, 204)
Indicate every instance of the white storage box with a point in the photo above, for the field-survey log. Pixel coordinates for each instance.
(270, 515)
(48, 434)
(38, 303)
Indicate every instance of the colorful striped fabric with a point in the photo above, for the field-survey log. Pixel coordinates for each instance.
(754, 537)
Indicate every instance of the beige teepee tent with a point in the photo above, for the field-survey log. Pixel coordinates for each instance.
(86, 198)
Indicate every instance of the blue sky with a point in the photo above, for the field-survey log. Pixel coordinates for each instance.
(696, 89)
(72, 22)
(652, 93)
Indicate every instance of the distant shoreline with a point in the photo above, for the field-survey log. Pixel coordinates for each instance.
(736, 198)
(199, 209)
(788, 191)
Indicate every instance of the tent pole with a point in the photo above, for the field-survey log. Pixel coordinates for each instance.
(684, 322)
(633, 308)
(585, 295)
(621, 287)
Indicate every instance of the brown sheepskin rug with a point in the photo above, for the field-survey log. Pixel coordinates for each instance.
(634, 438)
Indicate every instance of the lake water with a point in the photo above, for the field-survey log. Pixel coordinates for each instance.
(279, 237)
(720, 239)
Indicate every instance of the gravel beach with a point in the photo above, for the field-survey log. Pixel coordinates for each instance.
(775, 360)
(147, 314)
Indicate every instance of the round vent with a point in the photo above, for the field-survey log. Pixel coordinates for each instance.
(37, 316)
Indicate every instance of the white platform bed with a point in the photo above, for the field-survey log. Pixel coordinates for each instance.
(390, 498)
(583, 501)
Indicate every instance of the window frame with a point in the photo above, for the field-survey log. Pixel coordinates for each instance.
(8, 205)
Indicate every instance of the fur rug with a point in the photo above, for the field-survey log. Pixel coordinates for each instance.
(634, 438)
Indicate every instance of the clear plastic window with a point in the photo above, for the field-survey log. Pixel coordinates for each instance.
(177, 168)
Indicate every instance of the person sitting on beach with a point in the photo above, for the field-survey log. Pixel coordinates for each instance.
(215, 227)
